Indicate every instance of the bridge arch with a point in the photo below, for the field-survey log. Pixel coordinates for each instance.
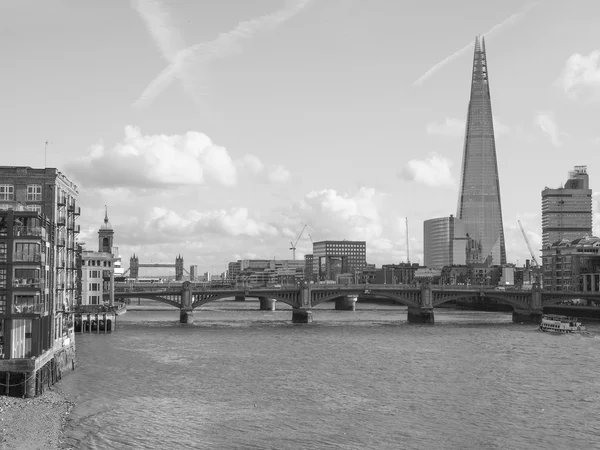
(149, 296)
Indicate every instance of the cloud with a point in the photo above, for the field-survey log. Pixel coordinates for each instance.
(179, 58)
(581, 76)
(278, 174)
(453, 127)
(150, 161)
(545, 120)
(434, 171)
(510, 20)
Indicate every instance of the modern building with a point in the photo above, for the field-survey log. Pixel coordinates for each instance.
(194, 272)
(567, 211)
(38, 275)
(572, 265)
(332, 258)
(445, 242)
(479, 205)
(98, 269)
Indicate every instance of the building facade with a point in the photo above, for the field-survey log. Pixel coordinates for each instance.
(98, 269)
(38, 273)
(572, 265)
(332, 258)
(445, 242)
(567, 211)
(479, 205)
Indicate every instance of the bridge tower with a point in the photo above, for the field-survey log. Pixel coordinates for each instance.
(179, 268)
(134, 266)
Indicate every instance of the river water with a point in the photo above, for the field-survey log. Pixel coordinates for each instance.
(240, 378)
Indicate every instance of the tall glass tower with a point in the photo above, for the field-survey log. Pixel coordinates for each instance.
(479, 198)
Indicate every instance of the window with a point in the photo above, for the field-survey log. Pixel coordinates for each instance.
(34, 193)
(3, 249)
(3, 278)
(94, 286)
(7, 192)
(36, 208)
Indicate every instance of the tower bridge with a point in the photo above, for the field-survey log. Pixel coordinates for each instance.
(421, 301)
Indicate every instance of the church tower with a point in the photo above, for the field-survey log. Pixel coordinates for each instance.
(105, 235)
(179, 268)
(479, 198)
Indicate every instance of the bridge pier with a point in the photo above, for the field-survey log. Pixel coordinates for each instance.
(267, 304)
(420, 315)
(186, 316)
(346, 303)
(302, 315)
(240, 298)
(527, 316)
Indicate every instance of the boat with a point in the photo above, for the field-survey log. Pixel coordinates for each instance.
(555, 323)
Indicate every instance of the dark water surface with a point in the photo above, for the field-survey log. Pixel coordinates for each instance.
(240, 378)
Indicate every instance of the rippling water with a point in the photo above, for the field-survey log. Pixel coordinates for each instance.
(240, 378)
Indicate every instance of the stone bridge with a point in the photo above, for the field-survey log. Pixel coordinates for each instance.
(527, 304)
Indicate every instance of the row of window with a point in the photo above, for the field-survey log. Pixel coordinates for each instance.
(34, 192)
(96, 262)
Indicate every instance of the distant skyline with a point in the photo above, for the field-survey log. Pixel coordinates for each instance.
(217, 130)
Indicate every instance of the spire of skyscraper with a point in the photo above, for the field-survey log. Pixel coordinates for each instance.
(479, 205)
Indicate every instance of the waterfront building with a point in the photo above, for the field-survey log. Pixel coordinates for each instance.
(479, 205)
(98, 269)
(572, 265)
(233, 270)
(445, 242)
(567, 211)
(310, 274)
(403, 273)
(332, 258)
(38, 275)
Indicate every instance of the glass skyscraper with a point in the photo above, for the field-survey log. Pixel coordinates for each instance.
(479, 197)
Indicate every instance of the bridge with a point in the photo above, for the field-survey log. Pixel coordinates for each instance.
(421, 301)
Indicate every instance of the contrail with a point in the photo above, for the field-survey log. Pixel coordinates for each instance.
(510, 20)
(226, 44)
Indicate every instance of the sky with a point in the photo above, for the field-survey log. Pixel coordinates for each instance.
(217, 130)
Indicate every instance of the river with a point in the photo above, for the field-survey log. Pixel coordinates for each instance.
(240, 378)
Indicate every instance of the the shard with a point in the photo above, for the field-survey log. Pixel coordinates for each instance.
(479, 204)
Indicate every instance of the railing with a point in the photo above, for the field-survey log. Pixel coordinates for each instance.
(60, 242)
(77, 229)
(77, 210)
(35, 283)
(60, 220)
(21, 231)
(39, 308)
(60, 263)
(61, 200)
(60, 286)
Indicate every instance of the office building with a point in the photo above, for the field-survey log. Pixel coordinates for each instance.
(572, 265)
(567, 211)
(445, 243)
(479, 205)
(333, 258)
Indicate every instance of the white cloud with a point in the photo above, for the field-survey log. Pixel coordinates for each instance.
(450, 127)
(545, 120)
(253, 163)
(235, 222)
(278, 174)
(433, 171)
(155, 160)
(581, 76)
(454, 127)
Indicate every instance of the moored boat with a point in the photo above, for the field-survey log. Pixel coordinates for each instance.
(555, 323)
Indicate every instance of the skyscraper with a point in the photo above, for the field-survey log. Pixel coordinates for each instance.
(479, 197)
(567, 211)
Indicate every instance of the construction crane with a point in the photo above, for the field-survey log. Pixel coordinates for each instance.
(407, 244)
(534, 262)
(293, 247)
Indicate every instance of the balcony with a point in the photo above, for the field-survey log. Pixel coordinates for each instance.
(61, 220)
(29, 308)
(60, 286)
(60, 263)
(23, 231)
(61, 200)
(60, 242)
(29, 257)
(77, 229)
(29, 283)
(77, 210)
